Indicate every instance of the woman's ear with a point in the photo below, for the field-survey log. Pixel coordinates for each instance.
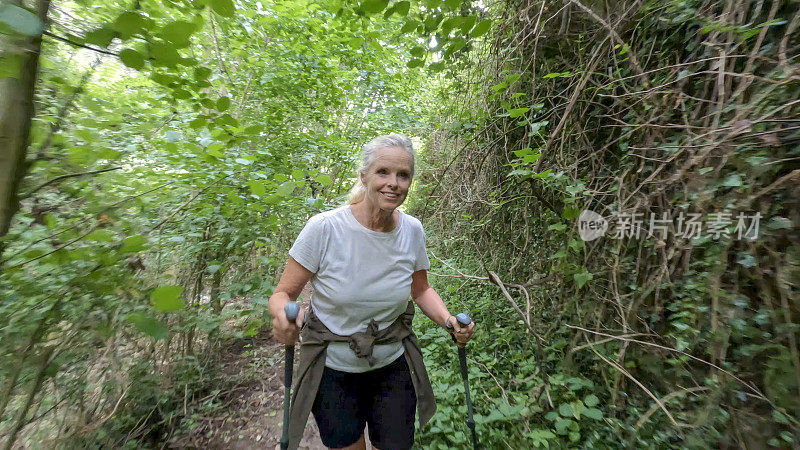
(363, 178)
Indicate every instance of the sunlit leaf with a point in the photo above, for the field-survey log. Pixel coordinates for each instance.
(167, 298)
(224, 8)
(257, 187)
(323, 179)
(133, 244)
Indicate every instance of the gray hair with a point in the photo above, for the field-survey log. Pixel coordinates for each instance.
(368, 155)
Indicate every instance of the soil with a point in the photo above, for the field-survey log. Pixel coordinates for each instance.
(252, 412)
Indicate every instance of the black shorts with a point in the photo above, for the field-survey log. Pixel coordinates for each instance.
(383, 398)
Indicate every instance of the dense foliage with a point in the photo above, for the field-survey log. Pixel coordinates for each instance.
(167, 154)
(678, 108)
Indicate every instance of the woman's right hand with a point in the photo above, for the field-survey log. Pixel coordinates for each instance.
(284, 331)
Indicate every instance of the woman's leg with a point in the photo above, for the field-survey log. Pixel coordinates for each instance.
(390, 416)
(336, 409)
(360, 444)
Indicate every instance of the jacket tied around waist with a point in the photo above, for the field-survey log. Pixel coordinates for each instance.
(314, 339)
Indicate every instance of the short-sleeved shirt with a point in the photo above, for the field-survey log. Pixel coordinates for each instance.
(360, 274)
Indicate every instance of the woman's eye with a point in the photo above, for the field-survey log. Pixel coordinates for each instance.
(403, 174)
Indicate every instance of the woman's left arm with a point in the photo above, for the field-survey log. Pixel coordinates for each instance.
(432, 305)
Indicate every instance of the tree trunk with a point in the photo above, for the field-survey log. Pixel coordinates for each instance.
(16, 112)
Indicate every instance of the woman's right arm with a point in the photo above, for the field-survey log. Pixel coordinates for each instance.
(292, 282)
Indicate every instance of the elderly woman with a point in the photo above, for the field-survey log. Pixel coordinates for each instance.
(360, 364)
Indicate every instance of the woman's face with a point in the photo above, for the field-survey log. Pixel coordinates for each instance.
(388, 178)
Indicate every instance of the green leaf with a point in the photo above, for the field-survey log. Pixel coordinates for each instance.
(455, 45)
(223, 103)
(402, 8)
(565, 410)
(253, 327)
(257, 188)
(215, 149)
(467, 23)
(165, 55)
(20, 20)
(285, 189)
(132, 244)
(298, 174)
(132, 59)
(148, 325)
(516, 112)
(356, 42)
(481, 28)
(100, 235)
(591, 400)
(593, 413)
(779, 417)
(417, 52)
(374, 6)
(562, 425)
(582, 277)
(178, 32)
(323, 179)
(100, 37)
(201, 73)
(167, 298)
(224, 8)
(409, 26)
(130, 23)
(414, 63)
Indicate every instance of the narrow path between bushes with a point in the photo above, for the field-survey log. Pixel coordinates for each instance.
(251, 412)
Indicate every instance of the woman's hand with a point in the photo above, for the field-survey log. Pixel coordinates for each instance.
(462, 333)
(292, 281)
(284, 331)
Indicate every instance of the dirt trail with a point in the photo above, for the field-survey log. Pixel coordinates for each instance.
(251, 414)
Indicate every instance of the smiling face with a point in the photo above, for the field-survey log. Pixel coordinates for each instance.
(388, 178)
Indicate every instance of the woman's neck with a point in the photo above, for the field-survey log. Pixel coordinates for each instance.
(374, 218)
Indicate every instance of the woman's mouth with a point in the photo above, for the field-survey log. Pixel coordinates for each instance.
(390, 195)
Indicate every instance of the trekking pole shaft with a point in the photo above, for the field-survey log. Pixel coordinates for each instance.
(287, 383)
(465, 320)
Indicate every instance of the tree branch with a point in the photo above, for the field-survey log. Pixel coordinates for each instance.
(75, 44)
(70, 175)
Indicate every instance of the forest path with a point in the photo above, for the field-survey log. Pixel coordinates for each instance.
(251, 411)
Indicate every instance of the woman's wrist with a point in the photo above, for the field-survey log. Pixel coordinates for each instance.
(447, 320)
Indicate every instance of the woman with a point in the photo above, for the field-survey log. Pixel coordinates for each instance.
(359, 360)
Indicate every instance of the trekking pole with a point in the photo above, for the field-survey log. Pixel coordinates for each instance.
(292, 310)
(464, 320)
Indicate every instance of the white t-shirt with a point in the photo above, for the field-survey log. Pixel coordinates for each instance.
(360, 274)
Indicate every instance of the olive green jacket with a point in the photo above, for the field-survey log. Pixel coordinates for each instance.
(314, 339)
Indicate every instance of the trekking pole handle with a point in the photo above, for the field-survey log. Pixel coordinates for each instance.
(462, 318)
(292, 310)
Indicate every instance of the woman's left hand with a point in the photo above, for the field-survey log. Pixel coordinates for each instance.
(462, 333)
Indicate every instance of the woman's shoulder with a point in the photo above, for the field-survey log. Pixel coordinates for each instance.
(323, 217)
(414, 223)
